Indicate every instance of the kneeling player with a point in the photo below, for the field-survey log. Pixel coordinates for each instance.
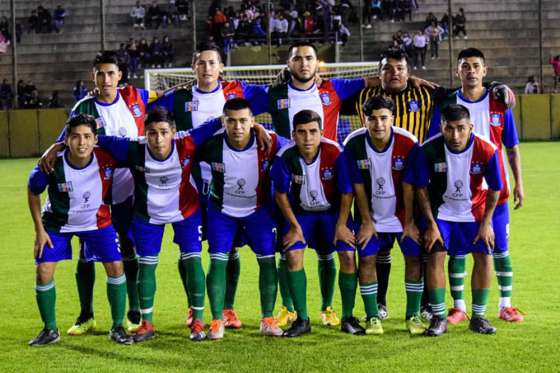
(451, 168)
(76, 205)
(379, 158)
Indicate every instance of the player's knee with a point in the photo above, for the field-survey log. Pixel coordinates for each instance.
(114, 269)
(347, 261)
(367, 272)
(483, 261)
(412, 267)
(45, 274)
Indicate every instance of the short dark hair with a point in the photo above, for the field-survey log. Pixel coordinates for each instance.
(306, 116)
(300, 44)
(394, 55)
(106, 57)
(471, 52)
(206, 47)
(454, 112)
(81, 120)
(237, 103)
(158, 114)
(376, 103)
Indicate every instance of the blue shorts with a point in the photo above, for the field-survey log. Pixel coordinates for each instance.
(386, 240)
(319, 229)
(148, 237)
(458, 237)
(258, 228)
(101, 245)
(500, 223)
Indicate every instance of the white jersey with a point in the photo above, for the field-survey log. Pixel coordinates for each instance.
(299, 100)
(312, 195)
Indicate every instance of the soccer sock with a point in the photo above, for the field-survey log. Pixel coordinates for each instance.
(327, 279)
(414, 290)
(347, 282)
(383, 268)
(479, 300)
(369, 295)
(183, 275)
(116, 292)
(216, 284)
(85, 279)
(268, 285)
(147, 285)
(233, 271)
(46, 300)
(297, 281)
(283, 284)
(195, 284)
(457, 274)
(437, 301)
(504, 273)
(130, 267)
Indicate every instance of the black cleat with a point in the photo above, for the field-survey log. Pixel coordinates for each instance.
(119, 335)
(351, 325)
(45, 337)
(437, 327)
(134, 316)
(298, 327)
(481, 325)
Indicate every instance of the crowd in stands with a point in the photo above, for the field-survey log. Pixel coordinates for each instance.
(138, 54)
(155, 15)
(42, 20)
(384, 10)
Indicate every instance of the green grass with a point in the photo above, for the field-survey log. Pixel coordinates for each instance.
(530, 346)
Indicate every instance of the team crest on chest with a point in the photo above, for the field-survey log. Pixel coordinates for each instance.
(191, 105)
(495, 119)
(325, 99)
(282, 103)
(440, 167)
(218, 167)
(363, 164)
(476, 168)
(107, 173)
(413, 106)
(135, 109)
(398, 163)
(65, 187)
(327, 173)
(297, 179)
(185, 162)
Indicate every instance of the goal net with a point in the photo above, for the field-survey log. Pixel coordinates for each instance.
(161, 79)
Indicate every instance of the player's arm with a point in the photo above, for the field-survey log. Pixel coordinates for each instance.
(367, 229)
(257, 95)
(166, 100)
(117, 147)
(342, 231)
(37, 183)
(514, 160)
(410, 228)
(48, 158)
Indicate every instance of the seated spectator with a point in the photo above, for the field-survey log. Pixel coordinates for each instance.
(460, 24)
(167, 51)
(21, 93)
(79, 91)
(134, 61)
(532, 87)
(4, 43)
(124, 61)
(183, 9)
(444, 23)
(156, 52)
(33, 101)
(33, 22)
(153, 16)
(6, 95)
(144, 52)
(343, 35)
(45, 20)
(257, 30)
(54, 101)
(227, 36)
(58, 18)
(138, 13)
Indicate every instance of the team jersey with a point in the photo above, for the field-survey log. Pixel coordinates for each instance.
(78, 198)
(314, 186)
(492, 121)
(285, 101)
(240, 178)
(455, 180)
(382, 173)
(165, 190)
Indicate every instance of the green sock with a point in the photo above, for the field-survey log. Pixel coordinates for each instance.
(85, 279)
(283, 284)
(195, 284)
(457, 274)
(116, 292)
(369, 295)
(233, 271)
(414, 290)
(297, 281)
(327, 279)
(183, 275)
(46, 300)
(437, 301)
(504, 273)
(147, 285)
(479, 300)
(130, 267)
(268, 285)
(216, 284)
(348, 282)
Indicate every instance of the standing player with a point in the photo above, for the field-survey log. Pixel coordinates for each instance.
(451, 170)
(379, 158)
(494, 122)
(78, 190)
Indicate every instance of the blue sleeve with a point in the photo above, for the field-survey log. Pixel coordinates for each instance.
(203, 132)
(116, 146)
(167, 101)
(257, 95)
(422, 169)
(343, 180)
(144, 95)
(280, 175)
(492, 173)
(353, 171)
(509, 136)
(282, 141)
(38, 181)
(435, 123)
(347, 87)
(409, 166)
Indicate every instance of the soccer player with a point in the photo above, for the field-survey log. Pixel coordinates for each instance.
(78, 189)
(239, 199)
(379, 158)
(451, 169)
(308, 177)
(494, 122)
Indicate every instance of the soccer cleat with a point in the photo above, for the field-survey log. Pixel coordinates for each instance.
(45, 337)
(351, 325)
(426, 314)
(373, 326)
(481, 325)
(298, 327)
(456, 315)
(189, 320)
(285, 317)
(231, 321)
(437, 327)
(216, 331)
(270, 327)
(197, 331)
(119, 335)
(511, 314)
(329, 317)
(145, 332)
(415, 325)
(82, 326)
(134, 320)
(383, 312)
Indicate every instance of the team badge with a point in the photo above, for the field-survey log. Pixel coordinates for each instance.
(282, 103)
(218, 167)
(413, 106)
(325, 99)
(240, 185)
(327, 174)
(495, 119)
(440, 167)
(363, 164)
(476, 168)
(108, 173)
(398, 164)
(265, 164)
(65, 187)
(136, 110)
(186, 162)
(297, 179)
(191, 106)
(230, 96)
(163, 180)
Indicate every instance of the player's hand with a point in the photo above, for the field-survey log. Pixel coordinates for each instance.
(366, 232)
(486, 234)
(47, 160)
(184, 85)
(94, 92)
(503, 94)
(344, 234)
(318, 79)
(518, 196)
(264, 140)
(411, 230)
(419, 82)
(41, 239)
(294, 235)
(432, 236)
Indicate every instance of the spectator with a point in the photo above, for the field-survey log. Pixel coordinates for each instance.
(79, 91)
(460, 24)
(33, 22)
(156, 53)
(134, 58)
(227, 36)
(124, 62)
(308, 24)
(279, 28)
(4, 43)
(54, 101)
(5, 27)
(153, 16)
(434, 32)
(172, 13)
(6, 95)
(138, 13)
(45, 19)
(21, 93)
(58, 18)
(532, 87)
(555, 62)
(420, 43)
(429, 19)
(183, 9)
(407, 43)
(444, 23)
(343, 35)
(33, 101)
(167, 51)
(144, 52)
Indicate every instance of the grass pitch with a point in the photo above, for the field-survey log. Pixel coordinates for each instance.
(530, 346)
